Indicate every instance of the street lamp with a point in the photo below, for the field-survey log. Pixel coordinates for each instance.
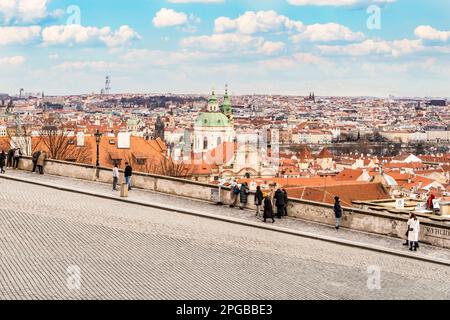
(98, 136)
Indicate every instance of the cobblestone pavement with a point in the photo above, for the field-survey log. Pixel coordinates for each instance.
(207, 207)
(125, 251)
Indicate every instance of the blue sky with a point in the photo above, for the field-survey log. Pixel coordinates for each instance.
(270, 46)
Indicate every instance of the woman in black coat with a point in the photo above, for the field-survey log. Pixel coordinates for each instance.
(268, 209)
(244, 195)
(2, 162)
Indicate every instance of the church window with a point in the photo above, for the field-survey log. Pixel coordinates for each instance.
(205, 143)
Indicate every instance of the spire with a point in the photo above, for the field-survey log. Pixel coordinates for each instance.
(227, 107)
(213, 106)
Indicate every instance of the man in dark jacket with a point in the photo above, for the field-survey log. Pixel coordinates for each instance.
(9, 162)
(35, 160)
(128, 175)
(259, 197)
(337, 212)
(279, 203)
(16, 157)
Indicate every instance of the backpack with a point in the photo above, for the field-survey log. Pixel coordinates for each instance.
(236, 190)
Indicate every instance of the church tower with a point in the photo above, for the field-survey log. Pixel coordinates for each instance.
(227, 107)
(213, 104)
(159, 128)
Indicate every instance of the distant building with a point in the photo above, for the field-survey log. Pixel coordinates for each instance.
(438, 103)
(3, 131)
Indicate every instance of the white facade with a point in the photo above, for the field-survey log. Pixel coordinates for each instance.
(208, 138)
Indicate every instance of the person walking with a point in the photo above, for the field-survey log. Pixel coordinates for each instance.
(115, 174)
(128, 175)
(35, 158)
(430, 203)
(17, 155)
(286, 201)
(279, 203)
(414, 230)
(259, 198)
(243, 196)
(268, 208)
(337, 212)
(2, 161)
(235, 191)
(41, 162)
(10, 156)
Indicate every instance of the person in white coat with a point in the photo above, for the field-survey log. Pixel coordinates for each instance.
(115, 174)
(413, 234)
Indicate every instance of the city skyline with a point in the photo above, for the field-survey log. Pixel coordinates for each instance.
(286, 47)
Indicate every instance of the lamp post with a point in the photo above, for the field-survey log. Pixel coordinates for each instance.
(98, 136)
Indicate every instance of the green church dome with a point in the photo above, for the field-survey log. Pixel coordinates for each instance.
(212, 119)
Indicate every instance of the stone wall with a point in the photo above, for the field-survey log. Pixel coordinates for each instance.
(383, 223)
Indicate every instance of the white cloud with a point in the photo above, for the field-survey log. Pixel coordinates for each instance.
(169, 18)
(288, 62)
(121, 37)
(24, 11)
(375, 47)
(91, 65)
(77, 34)
(327, 32)
(269, 47)
(429, 33)
(253, 22)
(233, 42)
(54, 56)
(165, 58)
(336, 3)
(19, 35)
(12, 61)
(196, 1)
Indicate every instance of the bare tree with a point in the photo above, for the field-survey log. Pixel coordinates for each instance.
(172, 168)
(60, 146)
(20, 137)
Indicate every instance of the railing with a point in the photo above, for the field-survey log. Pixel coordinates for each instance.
(384, 223)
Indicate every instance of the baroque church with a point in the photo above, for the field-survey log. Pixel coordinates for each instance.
(214, 126)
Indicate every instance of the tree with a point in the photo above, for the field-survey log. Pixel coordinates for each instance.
(161, 165)
(20, 137)
(60, 146)
(172, 168)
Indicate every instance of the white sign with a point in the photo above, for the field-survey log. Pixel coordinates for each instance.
(123, 140)
(215, 195)
(80, 139)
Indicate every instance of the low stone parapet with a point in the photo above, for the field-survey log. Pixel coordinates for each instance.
(382, 223)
